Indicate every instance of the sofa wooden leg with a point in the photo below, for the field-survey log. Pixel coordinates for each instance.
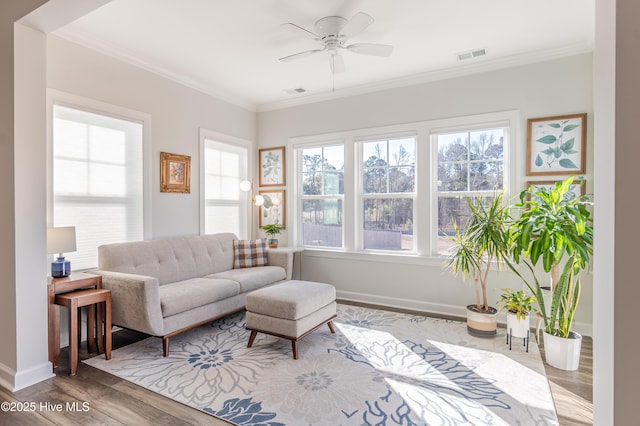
(252, 337)
(294, 347)
(165, 345)
(331, 327)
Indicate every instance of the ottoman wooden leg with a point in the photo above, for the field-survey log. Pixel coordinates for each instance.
(294, 347)
(252, 338)
(331, 327)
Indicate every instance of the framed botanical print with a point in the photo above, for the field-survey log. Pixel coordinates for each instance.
(175, 173)
(272, 166)
(273, 209)
(577, 188)
(557, 145)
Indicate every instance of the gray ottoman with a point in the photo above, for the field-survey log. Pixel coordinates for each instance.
(290, 310)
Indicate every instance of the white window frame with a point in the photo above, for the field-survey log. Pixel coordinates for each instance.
(297, 234)
(63, 99)
(245, 197)
(361, 196)
(425, 221)
(510, 123)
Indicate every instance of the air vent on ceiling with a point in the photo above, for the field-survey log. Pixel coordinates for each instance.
(295, 90)
(462, 56)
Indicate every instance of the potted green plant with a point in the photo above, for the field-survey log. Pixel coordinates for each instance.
(481, 243)
(272, 230)
(555, 226)
(518, 305)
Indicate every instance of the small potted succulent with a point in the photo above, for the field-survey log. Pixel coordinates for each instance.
(518, 306)
(272, 230)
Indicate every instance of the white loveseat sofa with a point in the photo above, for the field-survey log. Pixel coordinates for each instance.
(168, 286)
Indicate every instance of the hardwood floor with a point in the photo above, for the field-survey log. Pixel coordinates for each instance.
(573, 390)
(109, 400)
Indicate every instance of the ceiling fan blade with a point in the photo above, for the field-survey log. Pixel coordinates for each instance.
(356, 25)
(370, 49)
(300, 55)
(299, 30)
(336, 63)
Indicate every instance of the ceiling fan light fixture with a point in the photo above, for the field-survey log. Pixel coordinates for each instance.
(333, 32)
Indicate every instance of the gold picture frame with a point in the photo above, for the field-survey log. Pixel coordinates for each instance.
(175, 173)
(273, 211)
(557, 145)
(272, 166)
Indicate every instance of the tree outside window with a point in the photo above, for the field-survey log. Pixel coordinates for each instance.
(388, 178)
(470, 163)
(322, 192)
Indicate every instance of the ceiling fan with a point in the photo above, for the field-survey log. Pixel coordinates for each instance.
(333, 32)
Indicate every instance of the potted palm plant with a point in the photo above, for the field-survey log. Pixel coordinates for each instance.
(555, 226)
(479, 244)
(518, 306)
(271, 230)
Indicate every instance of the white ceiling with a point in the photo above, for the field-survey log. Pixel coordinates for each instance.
(230, 48)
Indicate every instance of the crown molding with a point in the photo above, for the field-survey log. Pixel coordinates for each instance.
(123, 55)
(431, 76)
(481, 66)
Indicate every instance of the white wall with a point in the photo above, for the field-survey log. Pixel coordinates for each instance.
(177, 113)
(23, 352)
(550, 88)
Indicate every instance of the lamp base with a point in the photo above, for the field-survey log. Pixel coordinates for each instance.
(60, 268)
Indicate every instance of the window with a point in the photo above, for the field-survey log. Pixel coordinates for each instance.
(388, 186)
(322, 189)
(225, 165)
(97, 180)
(391, 191)
(469, 163)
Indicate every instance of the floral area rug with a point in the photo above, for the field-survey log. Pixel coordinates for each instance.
(380, 368)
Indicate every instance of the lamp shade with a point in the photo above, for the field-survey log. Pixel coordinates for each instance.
(61, 240)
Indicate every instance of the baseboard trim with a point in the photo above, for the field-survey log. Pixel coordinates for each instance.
(405, 304)
(429, 308)
(14, 381)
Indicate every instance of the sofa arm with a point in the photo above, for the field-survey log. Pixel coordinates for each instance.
(281, 257)
(135, 301)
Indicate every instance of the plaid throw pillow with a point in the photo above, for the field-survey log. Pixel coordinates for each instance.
(249, 253)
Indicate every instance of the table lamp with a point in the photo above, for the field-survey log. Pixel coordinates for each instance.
(61, 240)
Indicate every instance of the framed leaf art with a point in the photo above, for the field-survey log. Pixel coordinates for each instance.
(557, 145)
(272, 166)
(576, 189)
(273, 210)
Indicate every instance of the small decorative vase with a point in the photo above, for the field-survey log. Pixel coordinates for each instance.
(60, 268)
(273, 242)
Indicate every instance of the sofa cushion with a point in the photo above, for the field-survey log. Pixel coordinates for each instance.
(185, 295)
(253, 278)
(250, 253)
(170, 260)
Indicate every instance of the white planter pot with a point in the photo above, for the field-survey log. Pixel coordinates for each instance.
(563, 353)
(482, 324)
(517, 327)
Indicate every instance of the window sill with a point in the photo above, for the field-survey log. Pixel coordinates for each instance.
(403, 259)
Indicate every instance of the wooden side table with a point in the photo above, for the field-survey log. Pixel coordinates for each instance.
(89, 297)
(75, 281)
